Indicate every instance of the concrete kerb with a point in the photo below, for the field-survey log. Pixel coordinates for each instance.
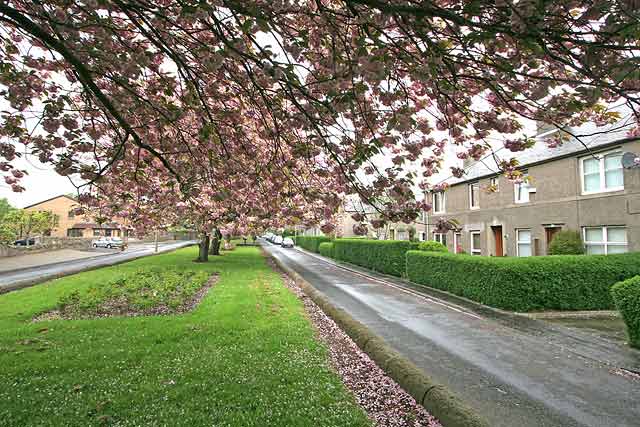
(435, 398)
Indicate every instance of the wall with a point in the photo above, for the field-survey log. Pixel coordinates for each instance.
(47, 244)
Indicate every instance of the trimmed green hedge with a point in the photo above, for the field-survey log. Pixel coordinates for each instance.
(311, 243)
(326, 249)
(626, 295)
(385, 256)
(559, 282)
(432, 246)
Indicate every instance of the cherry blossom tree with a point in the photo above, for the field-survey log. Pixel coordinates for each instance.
(257, 111)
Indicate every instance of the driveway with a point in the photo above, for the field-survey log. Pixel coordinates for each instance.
(513, 371)
(33, 274)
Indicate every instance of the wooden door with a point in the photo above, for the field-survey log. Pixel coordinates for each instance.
(550, 233)
(497, 235)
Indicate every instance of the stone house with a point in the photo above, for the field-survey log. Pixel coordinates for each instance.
(578, 186)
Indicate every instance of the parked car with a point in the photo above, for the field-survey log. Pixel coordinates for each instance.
(23, 242)
(277, 240)
(287, 242)
(107, 242)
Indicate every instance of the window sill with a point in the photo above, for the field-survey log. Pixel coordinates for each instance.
(608, 190)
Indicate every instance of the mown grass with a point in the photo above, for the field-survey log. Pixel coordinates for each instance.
(245, 357)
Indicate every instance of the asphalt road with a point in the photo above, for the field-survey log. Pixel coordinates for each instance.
(515, 373)
(17, 279)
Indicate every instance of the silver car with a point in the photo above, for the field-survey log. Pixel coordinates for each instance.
(107, 242)
(287, 242)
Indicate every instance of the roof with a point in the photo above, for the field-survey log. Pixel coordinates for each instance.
(108, 225)
(540, 153)
(52, 198)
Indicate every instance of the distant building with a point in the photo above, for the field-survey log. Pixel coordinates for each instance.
(72, 225)
(574, 186)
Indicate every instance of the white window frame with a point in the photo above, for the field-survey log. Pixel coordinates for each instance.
(522, 189)
(457, 236)
(443, 200)
(605, 237)
(471, 191)
(603, 182)
(474, 250)
(524, 242)
(439, 237)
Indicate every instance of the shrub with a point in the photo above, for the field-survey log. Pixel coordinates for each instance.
(432, 246)
(562, 282)
(326, 249)
(566, 242)
(626, 296)
(385, 256)
(311, 243)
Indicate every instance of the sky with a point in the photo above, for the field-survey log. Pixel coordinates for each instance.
(42, 183)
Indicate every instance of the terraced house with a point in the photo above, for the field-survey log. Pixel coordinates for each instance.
(576, 186)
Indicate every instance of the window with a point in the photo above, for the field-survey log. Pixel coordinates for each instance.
(71, 214)
(521, 190)
(107, 232)
(457, 243)
(494, 185)
(524, 242)
(74, 232)
(605, 240)
(474, 195)
(96, 232)
(603, 173)
(440, 238)
(438, 202)
(423, 236)
(475, 243)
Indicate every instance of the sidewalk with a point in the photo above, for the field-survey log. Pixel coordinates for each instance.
(44, 258)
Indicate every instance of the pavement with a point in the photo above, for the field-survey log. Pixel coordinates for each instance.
(45, 267)
(512, 370)
(51, 257)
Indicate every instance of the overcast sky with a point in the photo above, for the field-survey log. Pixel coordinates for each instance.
(41, 184)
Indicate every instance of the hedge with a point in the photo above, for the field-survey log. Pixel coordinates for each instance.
(432, 246)
(311, 243)
(326, 249)
(559, 282)
(626, 296)
(385, 256)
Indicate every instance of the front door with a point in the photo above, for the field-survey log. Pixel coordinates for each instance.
(497, 235)
(550, 233)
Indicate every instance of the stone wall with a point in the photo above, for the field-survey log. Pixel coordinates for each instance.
(45, 244)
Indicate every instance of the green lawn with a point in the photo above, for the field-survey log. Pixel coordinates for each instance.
(245, 357)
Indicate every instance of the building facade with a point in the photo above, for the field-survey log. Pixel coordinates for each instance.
(70, 224)
(574, 187)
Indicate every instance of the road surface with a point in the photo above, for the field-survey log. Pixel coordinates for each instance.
(514, 372)
(17, 279)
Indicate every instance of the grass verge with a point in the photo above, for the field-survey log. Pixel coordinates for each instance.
(246, 356)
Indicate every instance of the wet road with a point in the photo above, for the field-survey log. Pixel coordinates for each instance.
(515, 373)
(21, 278)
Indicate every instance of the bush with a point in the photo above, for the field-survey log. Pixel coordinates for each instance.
(566, 242)
(326, 249)
(562, 282)
(626, 296)
(385, 256)
(311, 243)
(432, 246)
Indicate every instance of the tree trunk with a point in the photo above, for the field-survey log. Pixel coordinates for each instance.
(203, 253)
(215, 242)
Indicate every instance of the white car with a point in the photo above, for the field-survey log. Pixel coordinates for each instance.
(277, 240)
(287, 242)
(107, 242)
